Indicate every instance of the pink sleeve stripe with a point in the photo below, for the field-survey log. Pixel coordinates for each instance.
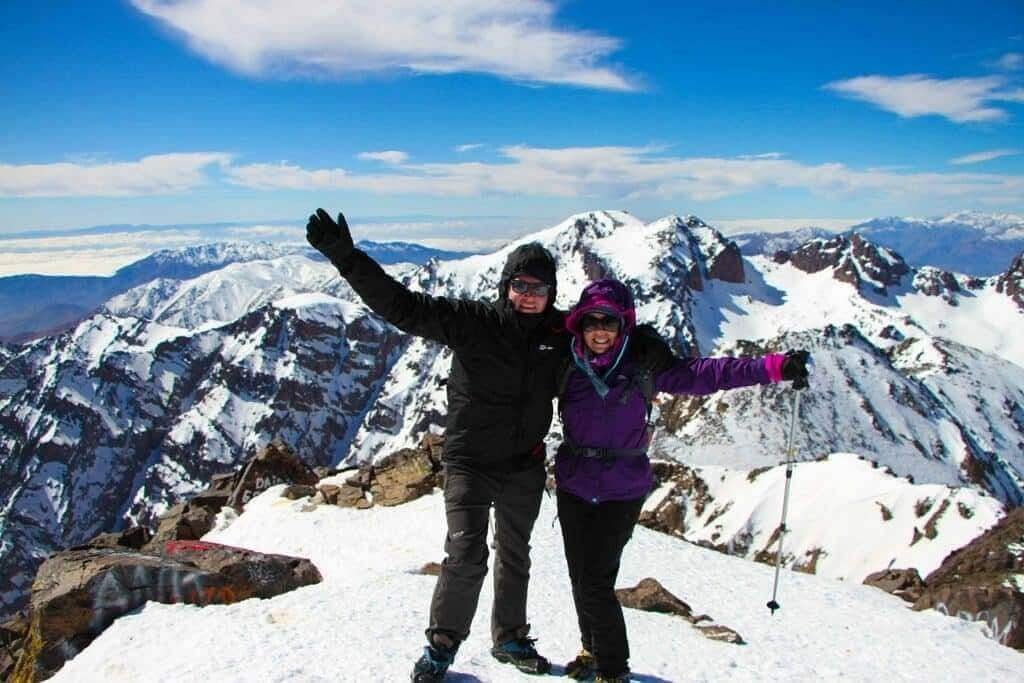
(773, 365)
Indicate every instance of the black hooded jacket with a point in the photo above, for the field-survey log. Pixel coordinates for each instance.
(505, 368)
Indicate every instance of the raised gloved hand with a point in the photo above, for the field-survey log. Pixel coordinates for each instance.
(650, 351)
(332, 239)
(794, 368)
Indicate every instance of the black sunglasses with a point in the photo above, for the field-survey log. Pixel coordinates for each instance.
(531, 288)
(608, 323)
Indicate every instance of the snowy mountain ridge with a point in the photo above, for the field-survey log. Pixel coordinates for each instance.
(32, 306)
(1003, 226)
(174, 381)
(969, 242)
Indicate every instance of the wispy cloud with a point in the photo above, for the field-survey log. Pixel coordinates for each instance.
(629, 173)
(512, 39)
(979, 157)
(468, 148)
(389, 157)
(152, 175)
(766, 155)
(961, 100)
(274, 233)
(737, 225)
(1011, 61)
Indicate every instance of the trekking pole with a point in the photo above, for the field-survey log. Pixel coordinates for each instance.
(772, 604)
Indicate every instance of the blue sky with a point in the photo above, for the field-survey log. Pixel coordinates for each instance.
(167, 112)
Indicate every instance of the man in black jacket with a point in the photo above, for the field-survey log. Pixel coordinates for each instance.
(503, 377)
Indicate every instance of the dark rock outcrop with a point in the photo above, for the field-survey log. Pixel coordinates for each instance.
(903, 583)
(275, 464)
(404, 476)
(398, 478)
(727, 264)
(1011, 282)
(79, 593)
(982, 581)
(669, 515)
(853, 259)
(935, 282)
(649, 595)
(12, 639)
(192, 519)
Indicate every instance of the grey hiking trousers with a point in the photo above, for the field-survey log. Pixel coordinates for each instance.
(469, 495)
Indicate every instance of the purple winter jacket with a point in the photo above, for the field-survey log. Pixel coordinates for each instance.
(610, 422)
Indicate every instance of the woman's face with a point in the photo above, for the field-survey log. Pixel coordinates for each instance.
(599, 331)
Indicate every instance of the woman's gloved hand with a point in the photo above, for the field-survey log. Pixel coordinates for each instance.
(795, 368)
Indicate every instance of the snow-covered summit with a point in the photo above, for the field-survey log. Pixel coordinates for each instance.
(365, 621)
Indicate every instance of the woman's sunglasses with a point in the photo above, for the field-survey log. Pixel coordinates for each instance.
(531, 288)
(608, 323)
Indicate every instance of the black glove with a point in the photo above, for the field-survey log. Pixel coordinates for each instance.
(331, 239)
(650, 352)
(794, 368)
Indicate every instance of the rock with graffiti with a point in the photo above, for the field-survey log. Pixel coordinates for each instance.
(984, 581)
(275, 464)
(79, 593)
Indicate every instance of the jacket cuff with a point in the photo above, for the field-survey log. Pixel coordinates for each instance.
(773, 366)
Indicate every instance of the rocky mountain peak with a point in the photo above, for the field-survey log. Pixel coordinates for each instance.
(853, 259)
(712, 255)
(1011, 282)
(937, 282)
(596, 224)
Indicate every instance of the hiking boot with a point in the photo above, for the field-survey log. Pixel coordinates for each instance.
(582, 667)
(432, 666)
(621, 678)
(521, 653)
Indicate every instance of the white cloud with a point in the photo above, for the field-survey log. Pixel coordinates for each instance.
(766, 155)
(152, 175)
(1011, 61)
(103, 253)
(464, 243)
(978, 157)
(468, 148)
(389, 157)
(630, 173)
(961, 100)
(273, 233)
(88, 254)
(737, 225)
(512, 39)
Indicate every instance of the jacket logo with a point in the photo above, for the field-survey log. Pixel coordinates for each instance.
(545, 347)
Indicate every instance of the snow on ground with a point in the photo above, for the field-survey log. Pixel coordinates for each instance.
(365, 621)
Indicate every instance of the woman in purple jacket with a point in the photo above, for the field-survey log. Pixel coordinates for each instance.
(602, 470)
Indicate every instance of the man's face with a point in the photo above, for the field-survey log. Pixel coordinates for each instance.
(527, 300)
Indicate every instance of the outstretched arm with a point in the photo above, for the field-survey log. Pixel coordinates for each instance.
(439, 318)
(708, 375)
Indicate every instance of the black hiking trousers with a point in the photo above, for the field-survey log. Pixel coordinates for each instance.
(595, 536)
(469, 495)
